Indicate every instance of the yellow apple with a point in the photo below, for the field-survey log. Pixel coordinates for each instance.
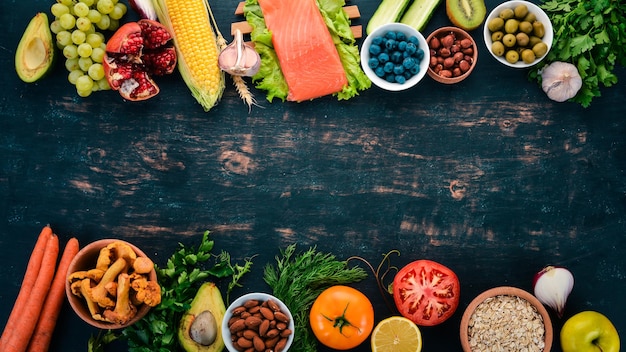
(589, 331)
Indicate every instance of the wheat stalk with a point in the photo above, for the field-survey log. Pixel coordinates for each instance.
(240, 84)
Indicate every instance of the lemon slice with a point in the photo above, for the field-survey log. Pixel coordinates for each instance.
(396, 334)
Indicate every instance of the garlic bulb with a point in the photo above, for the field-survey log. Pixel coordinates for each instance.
(239, 58)
(561, 81)
(552, 286)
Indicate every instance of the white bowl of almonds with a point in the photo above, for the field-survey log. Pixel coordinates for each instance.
(506, 319)
(258, 322)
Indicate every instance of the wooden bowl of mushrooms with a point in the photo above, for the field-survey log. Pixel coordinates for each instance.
(506, 317)
(112, 284)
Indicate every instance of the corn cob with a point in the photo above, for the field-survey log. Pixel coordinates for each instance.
(196, 47)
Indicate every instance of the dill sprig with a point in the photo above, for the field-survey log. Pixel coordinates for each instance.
(298, 279)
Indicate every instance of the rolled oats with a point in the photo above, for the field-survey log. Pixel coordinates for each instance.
(506, 323)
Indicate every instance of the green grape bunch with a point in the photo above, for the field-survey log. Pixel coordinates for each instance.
(79, 27)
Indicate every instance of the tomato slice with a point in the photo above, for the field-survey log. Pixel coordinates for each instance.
(426, 292)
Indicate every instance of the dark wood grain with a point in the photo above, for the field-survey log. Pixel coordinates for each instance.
(488, 177)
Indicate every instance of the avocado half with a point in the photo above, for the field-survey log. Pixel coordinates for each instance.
(35, 52)
(208, 298)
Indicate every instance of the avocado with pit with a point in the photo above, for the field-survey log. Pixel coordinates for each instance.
(36, 51)
(200, 327)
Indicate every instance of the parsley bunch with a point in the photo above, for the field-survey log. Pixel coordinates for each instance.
(590, 34)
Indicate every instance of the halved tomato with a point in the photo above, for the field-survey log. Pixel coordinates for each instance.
(426, 292)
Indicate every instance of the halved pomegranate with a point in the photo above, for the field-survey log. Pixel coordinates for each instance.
(136, 52)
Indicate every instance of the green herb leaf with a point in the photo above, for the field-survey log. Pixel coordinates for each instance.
(590, 34)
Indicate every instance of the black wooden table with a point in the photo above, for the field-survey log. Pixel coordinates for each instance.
(488, 177)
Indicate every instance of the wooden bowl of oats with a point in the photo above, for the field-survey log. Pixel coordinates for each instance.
(506, 319)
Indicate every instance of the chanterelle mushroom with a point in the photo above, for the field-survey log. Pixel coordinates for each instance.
(99, 293)
(112, 252)
(124, 310)
(147, 292)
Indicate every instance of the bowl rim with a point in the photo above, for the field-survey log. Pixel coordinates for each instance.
(509, 291)
(260, 296)
(548, 38)
(92, 250)
(460, 78)
(381, 83)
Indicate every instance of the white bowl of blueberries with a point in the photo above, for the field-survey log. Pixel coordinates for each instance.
(395, 56)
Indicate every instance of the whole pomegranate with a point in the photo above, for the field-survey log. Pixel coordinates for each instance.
(136, 52)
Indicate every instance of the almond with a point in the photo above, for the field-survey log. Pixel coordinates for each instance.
(267, 313)
(280, 345)
(253, 322)
(258, 343)
(264, 327)
(280, 316)
(236, 326)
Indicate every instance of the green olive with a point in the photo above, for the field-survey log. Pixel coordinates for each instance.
(530, 17)
(512, 56)
(506, 14)
(522, 39)
(538, 29)
(526, 27)
(540, 49)
(521, 11)
(497, 48)
(509, 40)
(496, 36)
(528, 56)
(534, 41)
(495, 24)
(511, 25)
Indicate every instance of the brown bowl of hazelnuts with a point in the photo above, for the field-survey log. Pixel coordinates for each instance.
(453, 55)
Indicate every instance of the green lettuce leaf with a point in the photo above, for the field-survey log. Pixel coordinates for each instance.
(270, 78)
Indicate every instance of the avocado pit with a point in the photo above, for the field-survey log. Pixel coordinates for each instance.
(203, 329)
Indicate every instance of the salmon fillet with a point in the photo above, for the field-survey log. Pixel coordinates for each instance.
(307, 55)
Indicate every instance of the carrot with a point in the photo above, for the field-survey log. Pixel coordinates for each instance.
(32, 270)
(23, 330)
(40, 341)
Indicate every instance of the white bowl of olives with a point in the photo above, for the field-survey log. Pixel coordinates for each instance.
(518, 34)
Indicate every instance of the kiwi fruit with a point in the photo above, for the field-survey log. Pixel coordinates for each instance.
(466, 14)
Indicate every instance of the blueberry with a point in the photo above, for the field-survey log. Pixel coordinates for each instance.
(373, 63)
(401, 45)
(388, 67)
(415, 69)
(419, 54)
(409, 62)
(383, 57)
(379, 72)
(390, 35)
(413, 39)
(378, 40)
(396, 57)
(375, 49)
(390, 78)
(400, 36)
(400, 79)
(391, 44)
(398, 69)
(411, 48)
